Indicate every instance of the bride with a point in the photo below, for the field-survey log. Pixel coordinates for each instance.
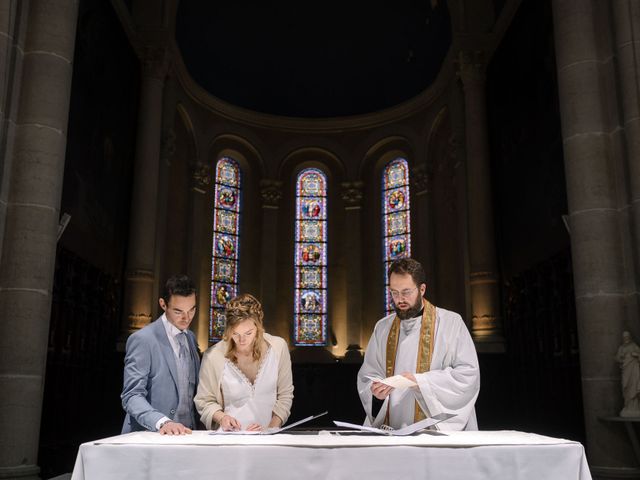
(245, 380)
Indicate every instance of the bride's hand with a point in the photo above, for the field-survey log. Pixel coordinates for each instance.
(228, 423)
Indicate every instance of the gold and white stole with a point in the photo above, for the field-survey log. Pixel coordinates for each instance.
(425, 349)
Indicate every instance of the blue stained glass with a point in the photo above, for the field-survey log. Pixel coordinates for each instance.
(396, 218)
(310, 259)
(225, 242)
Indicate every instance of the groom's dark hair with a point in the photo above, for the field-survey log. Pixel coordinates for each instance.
(178, 285)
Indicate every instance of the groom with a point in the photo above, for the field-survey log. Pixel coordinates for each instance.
(161, 366)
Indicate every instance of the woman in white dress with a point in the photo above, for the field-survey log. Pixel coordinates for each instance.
(245, 380)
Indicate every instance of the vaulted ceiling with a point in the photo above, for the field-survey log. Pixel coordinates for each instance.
(313, 60)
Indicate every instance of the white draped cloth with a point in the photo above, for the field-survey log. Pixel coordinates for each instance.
(451, 385)
(251, 402)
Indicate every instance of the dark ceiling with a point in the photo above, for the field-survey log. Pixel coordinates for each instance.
(302, 59)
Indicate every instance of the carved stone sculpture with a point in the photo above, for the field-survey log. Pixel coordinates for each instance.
(628, 357)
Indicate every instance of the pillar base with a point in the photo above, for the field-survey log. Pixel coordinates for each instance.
(22, 472)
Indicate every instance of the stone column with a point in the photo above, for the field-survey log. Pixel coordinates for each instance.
(626, 14)
(271, 193)
(484, 285)
(166, 186)
(139, 304)
(587, 98)
(424, 248)
(29, 250)
(199, 241)
(352, 198)
(13, 26)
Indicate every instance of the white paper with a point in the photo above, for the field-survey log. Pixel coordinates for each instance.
(408, 430)
(396, 381)
(268, 431)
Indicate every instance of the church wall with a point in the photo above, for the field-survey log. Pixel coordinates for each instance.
(350, 149)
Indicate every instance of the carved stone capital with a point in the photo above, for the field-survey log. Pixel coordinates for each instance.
(140, 276)
(271, 192)
(201, 177)
(168, 145)
(472, 68)
(352, 194)
(420, 179)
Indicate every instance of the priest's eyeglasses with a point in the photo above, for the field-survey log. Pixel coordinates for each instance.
(402, 294)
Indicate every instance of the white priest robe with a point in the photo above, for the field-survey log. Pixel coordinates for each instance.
(451, 385)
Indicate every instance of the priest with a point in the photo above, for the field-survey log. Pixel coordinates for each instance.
(428, 345)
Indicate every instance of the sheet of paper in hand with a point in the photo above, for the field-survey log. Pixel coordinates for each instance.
(397, 381)
(268, 431)
(408, 430)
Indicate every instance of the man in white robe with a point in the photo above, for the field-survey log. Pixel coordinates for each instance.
(428, 345)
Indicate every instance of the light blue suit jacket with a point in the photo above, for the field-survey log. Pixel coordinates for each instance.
(150, 389)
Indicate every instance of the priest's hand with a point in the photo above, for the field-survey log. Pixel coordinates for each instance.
(380, 390)
(409, 376)
(254, 427)
(228, 423)
(173, 428)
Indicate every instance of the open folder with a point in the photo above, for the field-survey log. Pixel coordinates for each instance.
(408, 430)
(268, 431)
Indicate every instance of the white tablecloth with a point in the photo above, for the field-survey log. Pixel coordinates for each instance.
(505, 455)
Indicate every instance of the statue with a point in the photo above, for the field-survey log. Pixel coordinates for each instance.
(628, 357)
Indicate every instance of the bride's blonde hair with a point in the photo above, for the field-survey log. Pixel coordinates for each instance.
(241, 308)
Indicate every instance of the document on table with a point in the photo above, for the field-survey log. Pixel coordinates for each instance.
(397, 381)
(408, 430)
(269, 431)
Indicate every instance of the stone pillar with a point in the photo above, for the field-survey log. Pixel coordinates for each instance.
(424, 248)
(139, 304)
(13, 26)
(587, 100)
(352, 198)
(484, 279)
(28, 256)
(271, 193)
(626, 14)
(199, 239)
(166, 185)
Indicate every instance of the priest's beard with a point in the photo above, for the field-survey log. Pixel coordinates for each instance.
(411, 312)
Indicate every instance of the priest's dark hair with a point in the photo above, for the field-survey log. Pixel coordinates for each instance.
(404, 266)
(178, 285)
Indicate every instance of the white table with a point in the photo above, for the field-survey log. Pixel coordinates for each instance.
(498, 455)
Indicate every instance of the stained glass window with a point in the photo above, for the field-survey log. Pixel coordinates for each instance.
(226, 240)
(310, 311)
(396, 218)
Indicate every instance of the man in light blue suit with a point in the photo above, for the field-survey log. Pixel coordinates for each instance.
(161, 366)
